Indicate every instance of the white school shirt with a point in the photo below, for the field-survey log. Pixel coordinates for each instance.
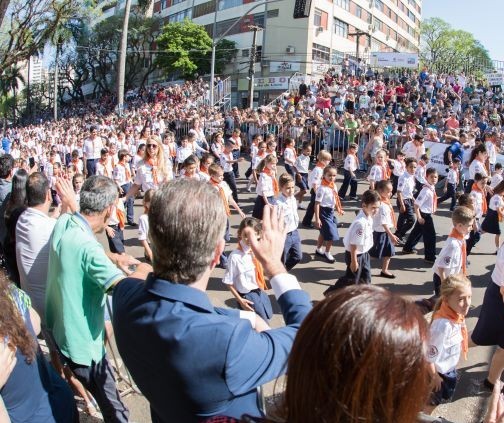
(399, 168)
(411, 150)
(143, 227)
(450, 257)
(406, 185)
(120, 174)
(289, 206)
(350, 163)
(325, 196)
(445, 345)
(496, 202)
(360, 234)
(492, 152)
(265, 185)
(256, 160)
(104, 169)
(204, 177)
(302, 163)
(383, 217)
(183, 153)
(477, 167)
(376, 173)
(92, 148)
(496, 180)
(315, 177)
(253, 150)
(240, 271)
(498, 272)
(452, 176)
(420, 174)
(289, 156)
(477, 198)
(144, 177)
(425, 200)
(224, 162)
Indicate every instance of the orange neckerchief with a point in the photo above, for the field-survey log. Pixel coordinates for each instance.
(173, 149)
(391, 207)
(385, 171)
(434, 199)
(356, 159)
(446, 312)
(126, 170)
(259, 273)
(460, 237)
(321, 165)
(271, 174)
(153, 164)
(105, 169)
(484, 205)
(223, 196)
(337, 201)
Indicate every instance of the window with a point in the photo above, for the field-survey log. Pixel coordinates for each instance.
(378, 25)
(258, 54)
(411, 15)
(379, 5)
(317, 17)
(180, 16)
(320, 18)
(176, 2)
(320, 53)
(245, 52)
(344, 4)
(227, 4)
(203, 9)
(340, 28)
(358, 11)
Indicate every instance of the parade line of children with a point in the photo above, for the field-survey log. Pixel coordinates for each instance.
(374, 232)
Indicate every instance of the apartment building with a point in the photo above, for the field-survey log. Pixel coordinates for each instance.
(308, 46)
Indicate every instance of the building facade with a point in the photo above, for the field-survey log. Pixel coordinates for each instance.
(309, 46)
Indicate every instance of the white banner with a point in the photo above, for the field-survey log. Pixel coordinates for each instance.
(394, 60)
(285, 67)
(436, 150)
(495, 78)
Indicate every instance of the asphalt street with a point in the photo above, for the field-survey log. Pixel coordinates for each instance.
(414, 281)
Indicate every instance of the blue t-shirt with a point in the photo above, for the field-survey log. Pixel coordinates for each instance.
(456, 150)
(6, 145)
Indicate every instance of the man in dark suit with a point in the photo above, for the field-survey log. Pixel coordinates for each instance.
(190, 359)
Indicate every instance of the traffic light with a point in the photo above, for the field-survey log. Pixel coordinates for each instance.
(302, 9)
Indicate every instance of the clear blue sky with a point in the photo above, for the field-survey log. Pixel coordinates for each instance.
(483, 18)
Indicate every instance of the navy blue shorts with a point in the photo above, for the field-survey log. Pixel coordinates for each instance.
(262, 304)
(488, 330)
(116, 244)
(303, 183)
(491, 222)
(445, 394)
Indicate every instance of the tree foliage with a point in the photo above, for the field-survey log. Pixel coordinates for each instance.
(185, 49)
(28, 25)
(444, 49)
(182, 47)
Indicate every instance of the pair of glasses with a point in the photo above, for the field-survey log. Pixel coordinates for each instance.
(152, 146)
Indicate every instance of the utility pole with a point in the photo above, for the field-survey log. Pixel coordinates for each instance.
(358, 34)
(253, 52)
(121, 72)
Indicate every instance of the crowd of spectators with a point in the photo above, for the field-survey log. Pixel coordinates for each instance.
(68, 275)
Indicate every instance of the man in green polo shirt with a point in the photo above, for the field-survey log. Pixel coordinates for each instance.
(79, 275)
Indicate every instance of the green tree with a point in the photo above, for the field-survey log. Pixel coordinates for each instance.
(10, 82)
(444, 49)
(225, 53)
(183, 49)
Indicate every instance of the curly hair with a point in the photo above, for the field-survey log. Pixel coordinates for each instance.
(12, 325)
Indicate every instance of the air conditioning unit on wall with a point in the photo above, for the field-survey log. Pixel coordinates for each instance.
(290, 50)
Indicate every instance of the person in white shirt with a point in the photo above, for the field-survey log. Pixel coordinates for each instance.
(384, 223)
(425, 207)
(286, 201)
(448, 338)
(93, 146)
(183, 152)
(496, 176)
(399, 167)
(123, 178)
(143, 226)
(301, 167)
(414, 148)
(350, 166)
(405, 200)
(357, 241)
(314, 180)
(477, 162)
(244, 276)
(451, 184)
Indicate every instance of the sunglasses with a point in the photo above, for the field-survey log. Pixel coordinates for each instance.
(152, 146)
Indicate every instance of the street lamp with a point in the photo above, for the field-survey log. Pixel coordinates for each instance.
(215, 42)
